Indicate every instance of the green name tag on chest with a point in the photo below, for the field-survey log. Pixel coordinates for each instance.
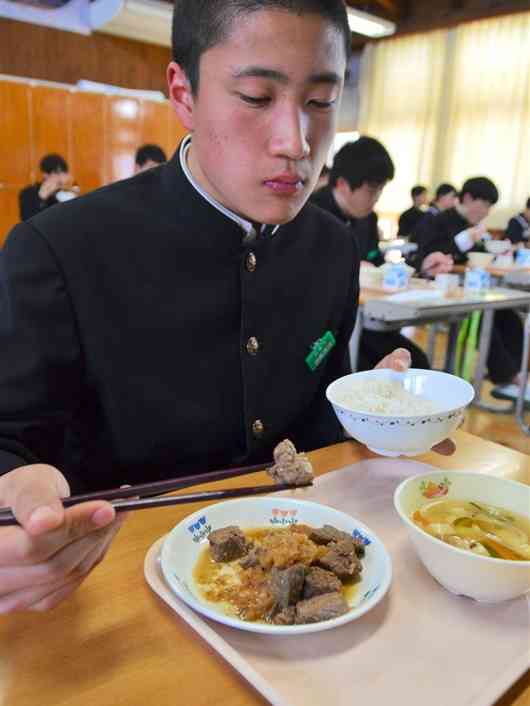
(319, 350)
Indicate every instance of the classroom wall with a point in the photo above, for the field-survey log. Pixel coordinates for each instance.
(66, 57)
(97, 134)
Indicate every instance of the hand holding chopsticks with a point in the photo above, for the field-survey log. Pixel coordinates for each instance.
(134, 497)
(45, 559)
(56, 541)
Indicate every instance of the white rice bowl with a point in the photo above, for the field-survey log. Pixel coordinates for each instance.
(396, 414)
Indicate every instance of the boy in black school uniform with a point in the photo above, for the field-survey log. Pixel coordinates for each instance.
(357, 177)
(148, 156)
(359, 173)
(55, 177)
(410, 218)
(445, 198)
(518, 230)
(165, 322)
(456, 232)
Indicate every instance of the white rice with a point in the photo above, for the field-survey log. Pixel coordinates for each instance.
(384, 397)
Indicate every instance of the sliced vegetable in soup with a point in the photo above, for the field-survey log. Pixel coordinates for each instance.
(476, 527)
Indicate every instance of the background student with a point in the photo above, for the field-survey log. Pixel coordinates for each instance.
(410, 218)
(54, 187)
(147, 157)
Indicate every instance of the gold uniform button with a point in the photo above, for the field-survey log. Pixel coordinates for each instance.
(252, 345)
(258, 428)
(250, 262)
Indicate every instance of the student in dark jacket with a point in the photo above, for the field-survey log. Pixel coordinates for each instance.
(360, 171)
(456, 232)
(461, 229)
(148, 156)
(412, 216)
(444, 199)
(55, 177)
(155, 326)
(518, 230)
(364, 225)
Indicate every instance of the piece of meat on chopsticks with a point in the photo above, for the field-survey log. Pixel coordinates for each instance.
(289, 465)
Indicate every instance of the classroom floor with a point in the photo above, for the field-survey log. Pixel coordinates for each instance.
(500, 428)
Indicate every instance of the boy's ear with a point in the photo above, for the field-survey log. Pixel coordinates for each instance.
(343, 185)
(180, 94)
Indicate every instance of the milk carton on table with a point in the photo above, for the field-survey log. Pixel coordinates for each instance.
(476, 280)
(395, 277)
(522, 259)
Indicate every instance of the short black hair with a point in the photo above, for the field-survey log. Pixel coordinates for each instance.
(364, 161)
(199, 25)
(528, 202)
(52, 163)
(152, 153)
(480, 188)
(417, 191)
(443, 190)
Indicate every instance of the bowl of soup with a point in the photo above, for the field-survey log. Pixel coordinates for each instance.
(470, 530)
(396, 414)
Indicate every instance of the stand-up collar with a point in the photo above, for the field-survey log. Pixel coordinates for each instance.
(248, 227)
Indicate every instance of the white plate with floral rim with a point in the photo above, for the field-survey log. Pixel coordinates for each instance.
(184, 544)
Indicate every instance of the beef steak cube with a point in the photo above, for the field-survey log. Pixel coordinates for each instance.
(341, 560)
(286, 585)
(299, 472)
(324, 607)
(286, 617)
(327, 534)
(284, 453)
(319, 581)
(227, 543)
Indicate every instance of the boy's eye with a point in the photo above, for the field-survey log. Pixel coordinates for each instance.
(322, 104)
(254, 100)
(259, 101)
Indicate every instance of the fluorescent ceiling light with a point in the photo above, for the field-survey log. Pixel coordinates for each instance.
(369, 25)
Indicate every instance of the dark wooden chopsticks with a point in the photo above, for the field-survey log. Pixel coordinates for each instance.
(165, 486)
(134, 497)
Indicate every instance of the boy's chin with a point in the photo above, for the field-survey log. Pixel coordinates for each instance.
(281, 215)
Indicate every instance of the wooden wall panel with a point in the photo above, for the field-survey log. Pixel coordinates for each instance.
(155, 124)
(176, 130)
(87, 121)
(66, 57)
(50, 123)
(15, 142)
(9, 213)
(123, 135)
(97, 134)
